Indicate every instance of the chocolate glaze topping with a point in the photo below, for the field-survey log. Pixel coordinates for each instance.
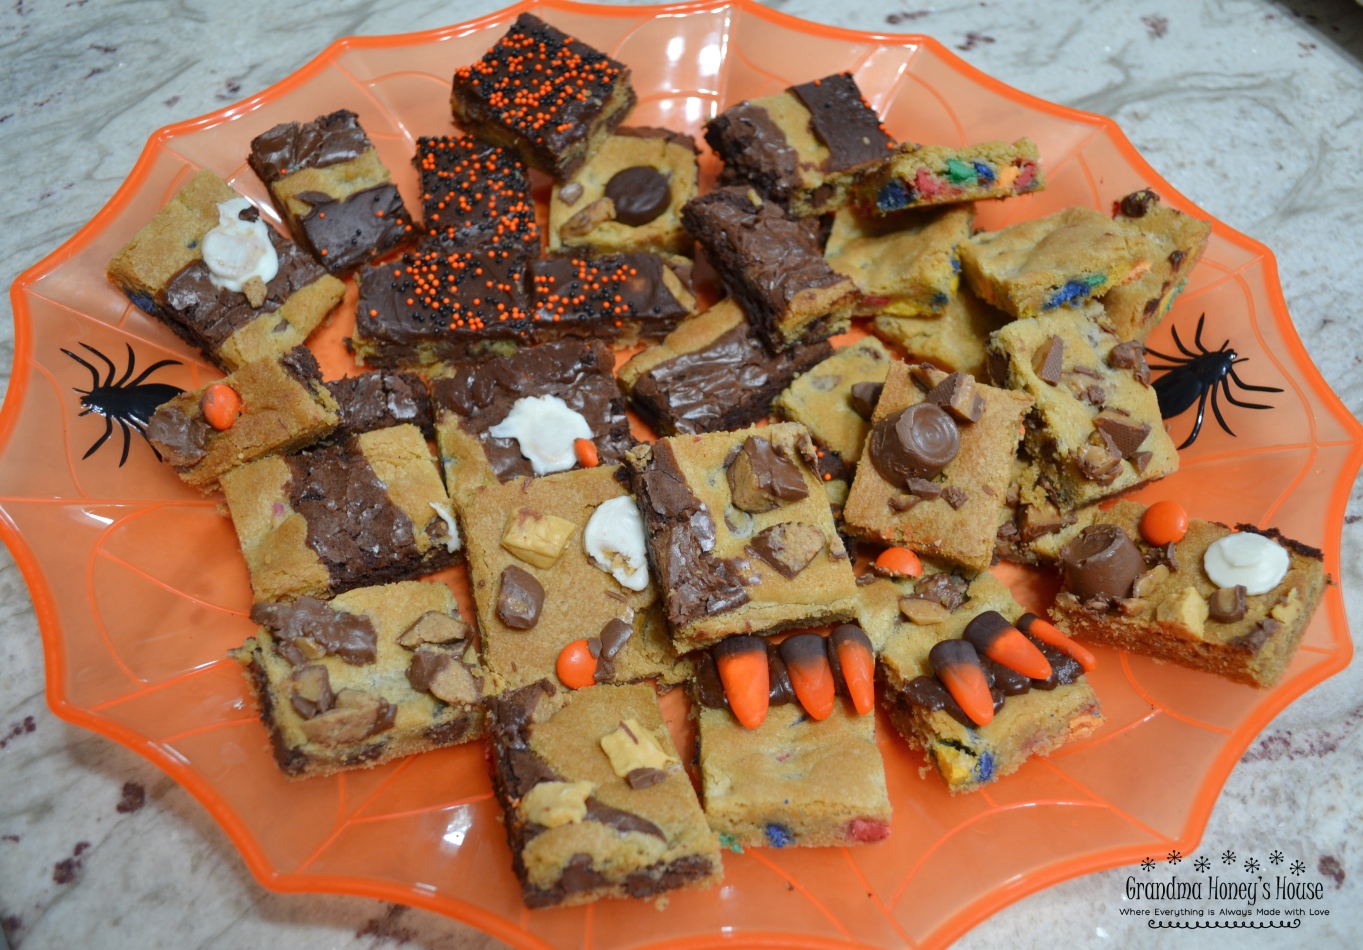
(653, 132)
(476, 194)
(345, 234)
(640, 194)
(326, 140)
(352, 637)
(917, 442)
(755, 150)
(599, 296)
(844, 122)
(381, 399)
(1102, 561)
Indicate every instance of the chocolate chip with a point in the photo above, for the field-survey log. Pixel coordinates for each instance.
(923, 488)
(1259, 635)
(644, 777)
(1141, 460)
(780, 690)
(250, 213)
(947, 590)
(918, 442)
(640, 193)
(958, 395)
(614, 635)
(864, 397)
(1136, 204)
(1228, 604)
(760, 478)
(1126, 435)
(520, 600)
(1102, 562)
(1094, 394)
(788, 547)
(1048, 360)
(1176, 258)
(709, 687)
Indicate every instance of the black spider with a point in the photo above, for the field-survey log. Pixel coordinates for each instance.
(127, 403)
(1193, 379)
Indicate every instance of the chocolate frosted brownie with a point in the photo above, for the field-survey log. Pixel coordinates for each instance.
(475, 195)
(551, 384)
(1096, 428)
(371, 676)
(623, 297)
(628, 196)
(772, 266)
(741, 538)
(803, 147)
(904, 264)
(918, 176)
(1177, 241)
(549, 96)
(370, 510)
(597, 803)
(210, 269)
(1234, 603)
(940, 456)
(272, 406)
(330, 186)
(381, 399)
(712, 373)
(954, 339)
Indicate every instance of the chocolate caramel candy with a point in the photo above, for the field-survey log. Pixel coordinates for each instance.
(864, 397)
(916, 443)
(780, 692)
(520, 600)
(959, 396)
(1048, 360)
(640, 194)
(1102, 562)
(760, 478)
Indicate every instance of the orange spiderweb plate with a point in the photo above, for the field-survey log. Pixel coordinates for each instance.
(140, 589)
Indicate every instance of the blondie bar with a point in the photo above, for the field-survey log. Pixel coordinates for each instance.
(1177, 241)
(905, 264)
(918, 176)
(955, 339)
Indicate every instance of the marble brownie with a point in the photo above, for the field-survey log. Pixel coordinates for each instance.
(1119, 589)
(333, 190)
(623, 298)
(904, 264)
(955, 339)
(740, 535)
(596, 801)
(475, 195)
(380, 399)
(918, 176)
(368, 511)
(284, 406)
(549, 96)
(936, 480)
(256, 295)
(373, 675)
(474, 398)
(628, 196)
(1177, 241)
(770, 264)
(712, 373)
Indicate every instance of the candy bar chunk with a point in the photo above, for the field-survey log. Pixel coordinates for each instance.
(379, 400)
(929, 480)
(368, 511)
(1032, 528)
(918, 176)
(558, 392)
(1096, 429)
(1026, 716)
(905, 264)
(623, 298)
(1177, 241)
(1059, 261)
(712, 373)
(328, 182)
(272, 406)
(544, 94)
(730, 517)
(771, 265)
(475, 195)
(628, 196)
(955, 339)
(226, 283)
(1234, 602)
(373, 675)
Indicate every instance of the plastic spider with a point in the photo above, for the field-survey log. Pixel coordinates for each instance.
(130, 404)
(1197, 377)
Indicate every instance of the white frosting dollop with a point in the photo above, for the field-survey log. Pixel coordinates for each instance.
(237, 250)
(1252, 560)
(452, 541)
(614, 538)
(545, 428)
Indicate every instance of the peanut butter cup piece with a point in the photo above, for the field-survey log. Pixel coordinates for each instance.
(918, 442)
(959, 396)
(520, 600)
(760, 478)
(1228, 604)
(1102, 562)
(788, 547)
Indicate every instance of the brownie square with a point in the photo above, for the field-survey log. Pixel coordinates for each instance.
(474, 194)
(622, 297)
(379, 400)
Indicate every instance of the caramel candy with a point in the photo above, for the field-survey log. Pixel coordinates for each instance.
(918, 442)
(1102, 562)
(760, 478)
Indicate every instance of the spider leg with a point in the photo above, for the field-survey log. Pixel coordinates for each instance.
(128, 440)
(1257, 389)
(1197, 425)
(94, 374)
(153, 368)
(1225, 386)
(1216, 408)
(132, 364)
(1197, 340)
(1179, 343)
(1164, 356)
(107, 362)
(108, 431)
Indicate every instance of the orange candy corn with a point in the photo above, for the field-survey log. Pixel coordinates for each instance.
(993, 636)
(576, 665)
(856, 664)
(742, 665)
(221, 405)
(1164, 522)
(898, 562)
(958, 666)
(585, 450)
(806, 658)
(1035, 627)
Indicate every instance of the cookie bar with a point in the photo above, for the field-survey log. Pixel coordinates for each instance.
(741, 538)
(628, 196)
(548, 96)
(941, 453)
(1177, 241)
(553, 560)
(1240, 617)
(1032, 529)
(954, 339)
(834, 401)
(281, 405)
(379, 400)
(475, 195)
(376, 674)
(597, 803)
(624, 298)
(1096, 428)
(558, 392)
(771, 265)
(904, 264)
(1061, 260)
(371, 510)
(712, 373)
(332, 189)
(803, 147)
(254, 295)
(918, 176)
(1027, 716)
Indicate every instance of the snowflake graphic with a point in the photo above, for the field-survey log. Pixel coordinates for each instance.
(1147, 865)
(1298, 867)
(1251, 865)
(1228, 857)
(1276, 858)
(1174, 857)
(1202, 863)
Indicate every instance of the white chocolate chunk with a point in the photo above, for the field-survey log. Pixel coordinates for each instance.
(633, 747)
(1245, 558)
(452, 541)
(545, 428)
(614, 539)
(557, 803)
(237, 250)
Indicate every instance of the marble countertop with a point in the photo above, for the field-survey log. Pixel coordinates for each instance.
(1254, 109)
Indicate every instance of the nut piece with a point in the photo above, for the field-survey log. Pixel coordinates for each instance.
(556, 803)
(311, 690)
(1185, 611)
(633, 747)
(521, 598)
(434, 627)
(788, 547)
(1048, 360)
(1227, 605)
(585, 221)
(536, 538)
(1146, 583)
(923, 612)
(356, 715)
(959, 396)
(760, 478)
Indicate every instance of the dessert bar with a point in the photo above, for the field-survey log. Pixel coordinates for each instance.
(904, 264)
(1176, 241)
(623, 298)
(954, 339)
(918, 176)
(475, 195)
(1032, 530)
(379, 400)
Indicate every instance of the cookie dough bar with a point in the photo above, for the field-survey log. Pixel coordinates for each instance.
(954, 340)
(1176, 241)
(917, 176)
(905, 264)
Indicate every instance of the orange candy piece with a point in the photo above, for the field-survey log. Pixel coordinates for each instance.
(958, 666)
(576, 665)
(742, 665)
(1049, 634)
(857, 664)
(811, 676)
(1164, 522)
(221, 405)
(899, 562)
(585, 450)
(992, 635)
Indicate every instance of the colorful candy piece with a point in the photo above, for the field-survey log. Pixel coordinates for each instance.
(1047, 633)
(1164, 522)
(806, 659)
(742, 665)
(854, 660)
(576, 666)
(959, 668)
(993, 636)
(898, 562)
(221, 405)
(585, 450)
